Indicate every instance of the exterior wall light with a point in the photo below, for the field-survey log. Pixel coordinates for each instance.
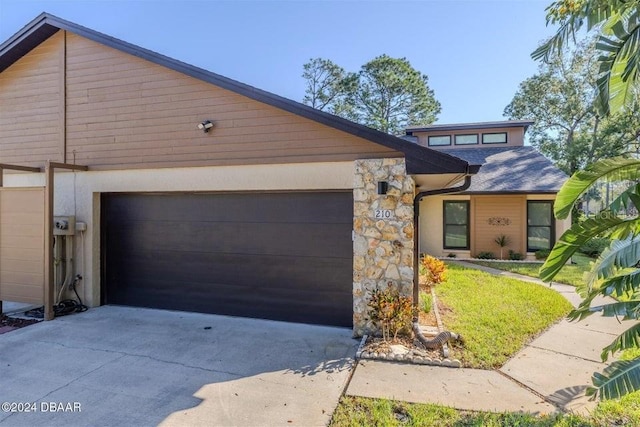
(205, 126)
(383, 186)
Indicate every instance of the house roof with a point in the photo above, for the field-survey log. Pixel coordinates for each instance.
(511, 170)
(468, 126)
(420, 160)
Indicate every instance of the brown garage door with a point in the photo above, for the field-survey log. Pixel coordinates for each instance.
(282, 256)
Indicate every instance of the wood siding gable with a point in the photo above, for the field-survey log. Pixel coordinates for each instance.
(122, 106)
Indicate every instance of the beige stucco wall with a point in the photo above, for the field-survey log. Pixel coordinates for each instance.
(431, 225)
(79, 194)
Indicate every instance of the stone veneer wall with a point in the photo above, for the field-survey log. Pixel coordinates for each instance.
(382, 247)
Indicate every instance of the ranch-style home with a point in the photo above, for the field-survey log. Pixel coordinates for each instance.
(139, 180)
(512, 195)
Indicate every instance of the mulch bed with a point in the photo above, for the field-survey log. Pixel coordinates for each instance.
(8, 324)
(408, 349)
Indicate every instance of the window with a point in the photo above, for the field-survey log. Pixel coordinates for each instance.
(494, 138)
(440, 140)
(466, 139)
(540, 230)
(456, 224)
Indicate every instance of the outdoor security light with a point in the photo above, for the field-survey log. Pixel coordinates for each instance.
(383, 186)
(205, 126)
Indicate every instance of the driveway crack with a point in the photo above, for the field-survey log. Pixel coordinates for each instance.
(171, 362)
(564, 354)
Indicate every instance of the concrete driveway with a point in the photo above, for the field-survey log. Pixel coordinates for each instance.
(115, 366)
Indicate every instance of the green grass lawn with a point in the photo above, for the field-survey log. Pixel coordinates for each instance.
(496, 315)
(359, 411)
(571, 274)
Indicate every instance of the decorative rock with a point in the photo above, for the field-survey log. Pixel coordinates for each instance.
(392, 272)
(419, 353)
(360, 195)
(389, 202)
(373, 272)
(451, 363)
(398, 349)
(372, 232)
(382, 263)
(404, 212)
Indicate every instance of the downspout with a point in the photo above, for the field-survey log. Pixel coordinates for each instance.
(416, 230)
(443, 336)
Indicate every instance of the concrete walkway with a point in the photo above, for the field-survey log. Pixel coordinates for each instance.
(548, 374)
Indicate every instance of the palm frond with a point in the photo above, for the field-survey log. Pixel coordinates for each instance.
(619, 66)
(613, 169)
(620, 254)
(625, 282)
(628, 198)
(618, 379)
(577, 235)
(628, 339)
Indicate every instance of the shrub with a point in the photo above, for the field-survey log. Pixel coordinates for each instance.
(542, 253)
(503, 241)
(426, 302)
(486, 255)
(434, 270)
(515, 256)
(595, 246)
(391, 312)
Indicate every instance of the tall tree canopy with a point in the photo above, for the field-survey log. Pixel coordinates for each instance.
(617, 24)
(568, 129)
(387, 93)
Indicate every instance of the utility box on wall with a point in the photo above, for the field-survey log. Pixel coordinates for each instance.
(64, 225)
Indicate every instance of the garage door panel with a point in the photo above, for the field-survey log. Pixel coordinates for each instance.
(281, 272)
(236, 207)
(248, 238)
(233, 300)
(283, 256)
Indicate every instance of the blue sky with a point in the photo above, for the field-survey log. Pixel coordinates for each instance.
(474, 52)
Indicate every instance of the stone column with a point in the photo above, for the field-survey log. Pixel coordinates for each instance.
(383, 234)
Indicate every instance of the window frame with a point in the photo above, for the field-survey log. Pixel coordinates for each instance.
(551, 226)
(438, 145)
(444, 225)
(455, 139)
(506, 138)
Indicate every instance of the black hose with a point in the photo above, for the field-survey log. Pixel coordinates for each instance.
(63, 308)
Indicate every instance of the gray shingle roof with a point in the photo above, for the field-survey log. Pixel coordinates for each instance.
(511, 169)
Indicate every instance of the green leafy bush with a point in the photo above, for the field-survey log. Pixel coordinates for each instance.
(542, 254)
(486, 255)
(595, 246)
(515, 256)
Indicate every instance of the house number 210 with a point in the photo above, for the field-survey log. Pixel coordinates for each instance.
(383, 214)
